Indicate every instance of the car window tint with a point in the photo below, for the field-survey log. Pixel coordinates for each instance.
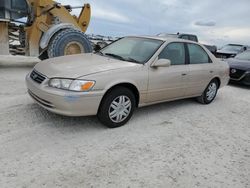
(197, 54)
(175, 52)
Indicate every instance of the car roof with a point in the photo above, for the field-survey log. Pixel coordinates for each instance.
(165, 39)
(175, 34)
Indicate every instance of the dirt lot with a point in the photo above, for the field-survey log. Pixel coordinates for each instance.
(178, 144)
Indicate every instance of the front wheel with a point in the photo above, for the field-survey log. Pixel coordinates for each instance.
(210, 93)
(117, 107)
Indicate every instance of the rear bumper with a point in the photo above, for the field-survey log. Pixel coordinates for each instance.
(64, 102)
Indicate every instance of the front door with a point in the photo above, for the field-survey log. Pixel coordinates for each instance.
(167, 83)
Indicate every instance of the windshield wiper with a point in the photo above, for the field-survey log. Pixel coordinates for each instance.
(99, 52)
(133, 60)
(115, 56)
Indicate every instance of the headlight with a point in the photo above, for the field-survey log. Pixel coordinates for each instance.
(72, 85)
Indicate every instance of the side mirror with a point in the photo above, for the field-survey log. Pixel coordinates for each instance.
(162, 63)
(97, 48)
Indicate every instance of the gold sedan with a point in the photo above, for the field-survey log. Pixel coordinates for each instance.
(132, 72)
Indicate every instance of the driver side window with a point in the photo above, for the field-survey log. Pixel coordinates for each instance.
(175, 52)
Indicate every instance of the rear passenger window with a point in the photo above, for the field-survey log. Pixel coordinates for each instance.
(197, 54)
(175, 52)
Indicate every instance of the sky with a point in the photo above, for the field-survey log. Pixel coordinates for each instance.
(215, 22)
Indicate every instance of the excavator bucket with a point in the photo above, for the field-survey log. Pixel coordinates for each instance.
(13, 9)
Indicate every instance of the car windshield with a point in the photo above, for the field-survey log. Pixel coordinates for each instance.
(243, 56)
(234, 48)
(133, 49)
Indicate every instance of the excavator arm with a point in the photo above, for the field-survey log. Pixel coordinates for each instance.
(84, 17)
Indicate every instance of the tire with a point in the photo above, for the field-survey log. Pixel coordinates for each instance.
(68, 42)
(210, 93)
(112, 114)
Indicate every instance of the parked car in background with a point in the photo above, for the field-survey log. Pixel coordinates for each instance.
(98, 41)
(180, 36)
(191, 37)
(129, 73)
(230, 50)
(240, 68)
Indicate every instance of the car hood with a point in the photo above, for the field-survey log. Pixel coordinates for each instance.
(75, 66)
(226, 52)
(239, 64)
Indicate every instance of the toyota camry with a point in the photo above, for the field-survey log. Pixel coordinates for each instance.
(129, 73)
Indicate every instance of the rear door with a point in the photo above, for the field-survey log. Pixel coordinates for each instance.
(166, 83)
(201, 69)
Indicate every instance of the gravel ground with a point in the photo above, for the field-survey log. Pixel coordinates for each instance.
(177, 144)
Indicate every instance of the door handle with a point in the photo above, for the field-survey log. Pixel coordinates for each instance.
(184, 74)
(211, 71)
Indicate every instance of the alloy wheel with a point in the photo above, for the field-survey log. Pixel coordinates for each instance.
(120, 109)
(211, 91)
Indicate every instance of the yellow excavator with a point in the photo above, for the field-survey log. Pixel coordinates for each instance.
(49, 29)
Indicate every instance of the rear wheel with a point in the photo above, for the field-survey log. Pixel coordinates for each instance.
(117, 107)
(210, 93)
(69, 42)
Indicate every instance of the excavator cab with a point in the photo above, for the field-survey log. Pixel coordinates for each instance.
(12, 10)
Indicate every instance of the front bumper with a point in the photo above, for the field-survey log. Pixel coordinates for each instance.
(244, 79)
(64, 102)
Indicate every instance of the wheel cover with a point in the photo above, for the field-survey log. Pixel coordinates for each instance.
(120, 109)
(211, 91)
(73, 48)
